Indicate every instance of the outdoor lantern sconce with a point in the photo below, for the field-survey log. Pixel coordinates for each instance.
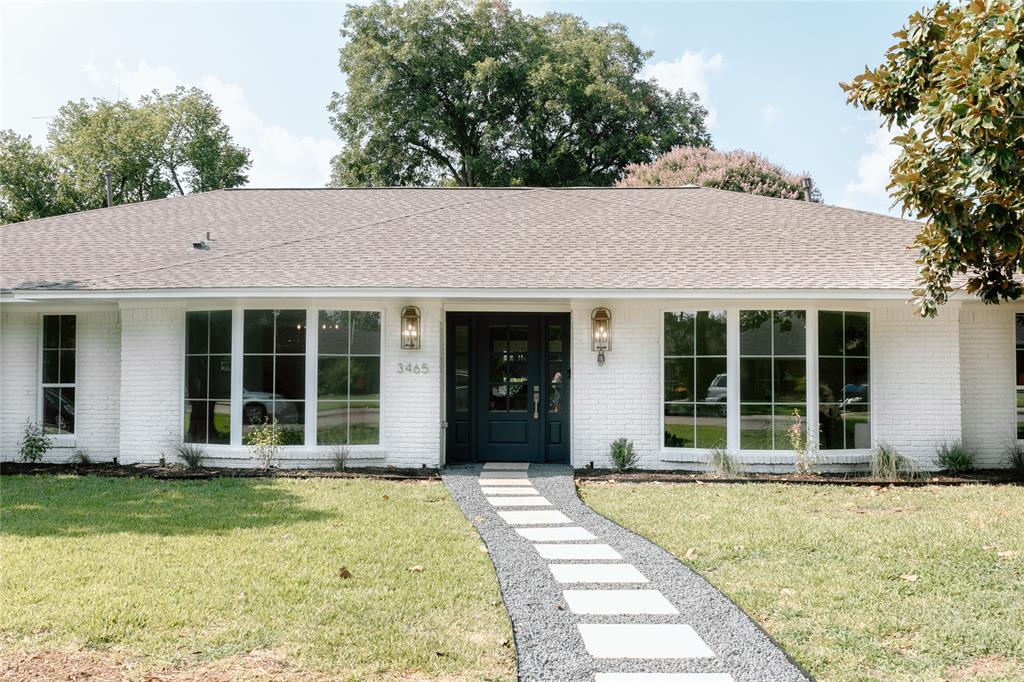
(410, 328)
(601, 321)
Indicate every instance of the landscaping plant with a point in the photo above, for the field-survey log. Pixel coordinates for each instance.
(954, 459)
(34, 443)
(1015, 458)
(888, 464)
(623, 454)
(264, 441)
(81, 457)
(341, 454)
(723, 463)
(192, 454)
(806, 457)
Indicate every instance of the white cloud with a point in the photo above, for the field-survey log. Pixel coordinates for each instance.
(280, 158)
(691, 72)
(869, 191)
(771, 113)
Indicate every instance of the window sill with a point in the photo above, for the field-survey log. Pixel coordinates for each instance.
(827, 457)
(294, 453)
(62, 442)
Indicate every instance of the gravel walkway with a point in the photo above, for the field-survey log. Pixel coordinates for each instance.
(607, 628)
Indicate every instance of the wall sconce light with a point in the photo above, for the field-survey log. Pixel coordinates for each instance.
(601, 321)
(410, 328)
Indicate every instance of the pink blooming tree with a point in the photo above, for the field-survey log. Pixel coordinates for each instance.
(737, 170)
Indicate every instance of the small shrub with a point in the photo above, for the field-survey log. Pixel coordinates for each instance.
(34, 443)
(723, 463)
(888, 464)
(623, 454)
(340, 454)
(81, 457)
(192, 454)
(1015, 458)
(954, 459)
(264, 441)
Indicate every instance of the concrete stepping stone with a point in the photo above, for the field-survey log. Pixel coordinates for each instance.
(500, 490)
(643, 640)
(663, 677)
(500, 475)
(519, 501)
(556, 534)
(578, 552)
(506, 482)
(597, 573)
(618, 602)
(506, 466)
(551, 517)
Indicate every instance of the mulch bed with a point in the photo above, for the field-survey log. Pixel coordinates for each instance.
(181, 474)
(975, 477)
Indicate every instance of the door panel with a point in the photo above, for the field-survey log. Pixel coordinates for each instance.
(507, 429)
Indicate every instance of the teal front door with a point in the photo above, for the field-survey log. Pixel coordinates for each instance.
(508, 387)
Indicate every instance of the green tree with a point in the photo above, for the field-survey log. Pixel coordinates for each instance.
(165, 144)
(738, 171)
(953, 83)
(473, 92)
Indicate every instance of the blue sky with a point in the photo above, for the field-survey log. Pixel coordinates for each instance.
(769, 72)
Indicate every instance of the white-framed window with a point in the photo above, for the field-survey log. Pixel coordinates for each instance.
(348, 377)
(274, 372)
(695, 399)
(58, 374)
(773, 378)
(844, 375)
(207, 417)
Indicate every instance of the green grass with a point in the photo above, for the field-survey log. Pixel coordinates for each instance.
(179, 574)
(825, 570)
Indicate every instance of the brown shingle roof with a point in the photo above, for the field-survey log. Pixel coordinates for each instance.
(530, 238)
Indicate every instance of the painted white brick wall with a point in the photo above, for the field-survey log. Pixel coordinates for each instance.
(916, 380)
(152, 356)
(98, 392)
(988, 385)
(411, 403)
(933, 381)
(622, 398)
(19, 372)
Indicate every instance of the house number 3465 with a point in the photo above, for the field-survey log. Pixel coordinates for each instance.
(413, 368)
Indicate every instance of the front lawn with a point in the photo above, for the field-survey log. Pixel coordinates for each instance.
(232, 576)
(857, 583)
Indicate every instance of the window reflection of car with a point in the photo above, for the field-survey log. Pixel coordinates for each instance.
(257, 406)
(717, 389)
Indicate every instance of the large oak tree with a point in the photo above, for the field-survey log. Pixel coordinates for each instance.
(165, 144)
(954, 82)
(474, 92)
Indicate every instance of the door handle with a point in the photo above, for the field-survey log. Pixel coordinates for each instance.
(536, 401)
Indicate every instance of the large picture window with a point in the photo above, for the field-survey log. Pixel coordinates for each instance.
(348, 378)
(208, 377)
(844, 412)
(274, 372)
(773, 378)
(58, 374)
(695, 379)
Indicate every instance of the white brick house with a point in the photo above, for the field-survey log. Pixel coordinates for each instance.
(730, 319)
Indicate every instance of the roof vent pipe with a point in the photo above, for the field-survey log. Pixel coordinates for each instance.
(808, 187)
(110, 187)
